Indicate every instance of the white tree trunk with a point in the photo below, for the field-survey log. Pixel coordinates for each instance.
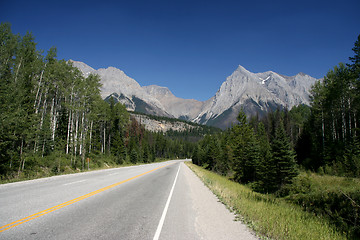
(68, 132)
(91, 128)
(38, 91)
(17, 71)
(82, 134)
(76, 133)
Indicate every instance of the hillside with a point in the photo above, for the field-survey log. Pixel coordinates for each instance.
(170, 126)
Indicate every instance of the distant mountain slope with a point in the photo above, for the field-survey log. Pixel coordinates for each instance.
(256, 93)
(124, 89)
(186, 109)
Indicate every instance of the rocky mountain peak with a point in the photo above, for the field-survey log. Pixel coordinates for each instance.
(256, 93)
(302, 74)
(84, 68)
(159, 91)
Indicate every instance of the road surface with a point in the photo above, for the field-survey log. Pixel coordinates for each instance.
(155, 201)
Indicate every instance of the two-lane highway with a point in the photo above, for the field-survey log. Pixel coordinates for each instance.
(141, 202)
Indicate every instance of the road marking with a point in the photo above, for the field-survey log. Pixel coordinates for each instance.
(52, 209)
(162, 219)
(74, 182)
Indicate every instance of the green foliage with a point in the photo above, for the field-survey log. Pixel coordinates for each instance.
(331, 133)
(263, 158)
(352, 159)
(246, 151)
(270, 217)
(283, 158)
(267, 167)
(52, 117)
(334, 198)
(134, 156)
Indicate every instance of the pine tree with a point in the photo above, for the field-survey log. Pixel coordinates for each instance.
(283, 157)
(266, 171)
(352, 159)
(134, 156)
(246, 151)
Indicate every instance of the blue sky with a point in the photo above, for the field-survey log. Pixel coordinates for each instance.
(192, 46)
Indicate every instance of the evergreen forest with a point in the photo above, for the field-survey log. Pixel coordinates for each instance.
(309, 155)
(53, 119)
(323, 137)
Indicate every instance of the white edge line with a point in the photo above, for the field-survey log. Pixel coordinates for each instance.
(162, 219)
(74, 182)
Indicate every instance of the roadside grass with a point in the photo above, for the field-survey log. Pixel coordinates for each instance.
(268, 216)
(336, 199)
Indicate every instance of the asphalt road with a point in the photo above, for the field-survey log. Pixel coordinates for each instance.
(154, 201)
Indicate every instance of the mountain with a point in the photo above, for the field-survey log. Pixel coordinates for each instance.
(185, 109)
(256, 93)
(116, 84)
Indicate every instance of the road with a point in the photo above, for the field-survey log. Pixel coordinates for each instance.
(154, 201)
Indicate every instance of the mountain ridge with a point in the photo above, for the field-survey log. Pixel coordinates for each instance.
(256, 93)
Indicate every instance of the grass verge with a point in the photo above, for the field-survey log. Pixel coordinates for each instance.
(266, 215)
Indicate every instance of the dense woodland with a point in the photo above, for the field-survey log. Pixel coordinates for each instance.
(280, 152)
(323, 137)
(256, 152)
(53, 119)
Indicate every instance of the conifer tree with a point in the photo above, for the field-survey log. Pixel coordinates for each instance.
(266, 171)
(246, 151)
(283, 157)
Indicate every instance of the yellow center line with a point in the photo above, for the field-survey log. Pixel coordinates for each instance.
(49, 210)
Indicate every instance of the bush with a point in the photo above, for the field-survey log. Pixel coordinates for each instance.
(336, 198)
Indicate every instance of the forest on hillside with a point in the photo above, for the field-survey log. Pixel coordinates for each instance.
(280, 153)
(323, 137)
(53, 119)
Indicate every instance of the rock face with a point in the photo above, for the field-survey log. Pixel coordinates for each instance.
(256, 93)
(161, 125)
(124, 89)
(186, 109)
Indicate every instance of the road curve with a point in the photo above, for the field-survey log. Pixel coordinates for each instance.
(154, 201)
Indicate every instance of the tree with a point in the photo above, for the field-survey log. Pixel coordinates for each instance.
(134, 156)
(266, 171)
(283, 157)
(246, 151)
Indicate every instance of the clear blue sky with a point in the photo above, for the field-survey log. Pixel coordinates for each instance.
(192, 46)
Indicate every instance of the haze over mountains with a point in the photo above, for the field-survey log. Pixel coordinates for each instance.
(256, 93)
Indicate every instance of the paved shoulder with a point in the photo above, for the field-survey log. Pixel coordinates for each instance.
(213, 219)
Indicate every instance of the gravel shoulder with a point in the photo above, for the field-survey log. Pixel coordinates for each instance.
(212, 219)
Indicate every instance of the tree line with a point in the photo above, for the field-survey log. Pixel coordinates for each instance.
(53, 117)
(255, 152)
(330, 141)
(268, 153)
